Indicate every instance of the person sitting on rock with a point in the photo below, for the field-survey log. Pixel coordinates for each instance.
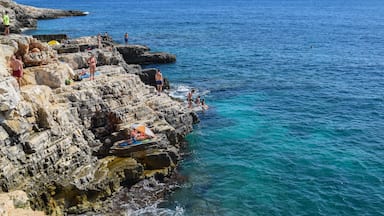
(203, 105)
(83, 72)
(197, 100)
(190, 98)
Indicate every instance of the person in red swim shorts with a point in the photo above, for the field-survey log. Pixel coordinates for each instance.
(17, 69)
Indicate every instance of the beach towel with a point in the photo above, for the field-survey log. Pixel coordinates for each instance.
(87, 75)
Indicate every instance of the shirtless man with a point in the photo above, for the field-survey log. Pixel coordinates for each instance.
(159, 81)
(17, 69)
(92, 66)
(189, 98)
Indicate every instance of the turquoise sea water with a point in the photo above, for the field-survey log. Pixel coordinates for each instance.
(295, 89)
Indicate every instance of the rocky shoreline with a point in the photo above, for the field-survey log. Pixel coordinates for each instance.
(59, 143)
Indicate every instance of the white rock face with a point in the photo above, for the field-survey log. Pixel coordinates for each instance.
(5, 53)
(52, 75)
(9, 95)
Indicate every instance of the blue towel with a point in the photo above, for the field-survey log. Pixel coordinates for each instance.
(123, 144)
(87, 75)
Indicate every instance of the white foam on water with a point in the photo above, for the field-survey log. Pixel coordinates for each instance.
(155, 210)
(180, 91)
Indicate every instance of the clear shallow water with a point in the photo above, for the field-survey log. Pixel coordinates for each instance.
(295, 125)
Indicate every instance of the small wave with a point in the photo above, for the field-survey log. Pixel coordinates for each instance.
(155, 210)
(180, 91)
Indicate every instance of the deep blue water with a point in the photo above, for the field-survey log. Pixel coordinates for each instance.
(295, 89)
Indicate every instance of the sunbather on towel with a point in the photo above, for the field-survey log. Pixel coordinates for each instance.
(136, 135)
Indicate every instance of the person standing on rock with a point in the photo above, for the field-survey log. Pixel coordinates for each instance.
(6, 23)
(99, 41)
(190, 98)
(92, 66)
(197, 100)
(126, 38)
(17, 69)
(159, 81)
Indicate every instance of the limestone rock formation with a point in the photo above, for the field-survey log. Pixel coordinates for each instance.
(9, 96)
(16, 203)
(52, 75)
(31, 51)
(136, 54)
(59, 142)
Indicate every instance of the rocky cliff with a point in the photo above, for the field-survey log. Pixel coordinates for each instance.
(59, 143)
(23, 16)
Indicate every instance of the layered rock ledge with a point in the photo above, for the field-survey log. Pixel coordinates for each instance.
(59, 143)
(138, 54)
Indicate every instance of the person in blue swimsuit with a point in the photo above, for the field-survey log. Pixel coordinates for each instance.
(126, 38)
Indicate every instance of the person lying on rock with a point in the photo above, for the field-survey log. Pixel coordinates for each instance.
(137, 135)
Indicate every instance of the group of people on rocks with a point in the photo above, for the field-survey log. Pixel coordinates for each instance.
(198, 101)
(17, 67)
